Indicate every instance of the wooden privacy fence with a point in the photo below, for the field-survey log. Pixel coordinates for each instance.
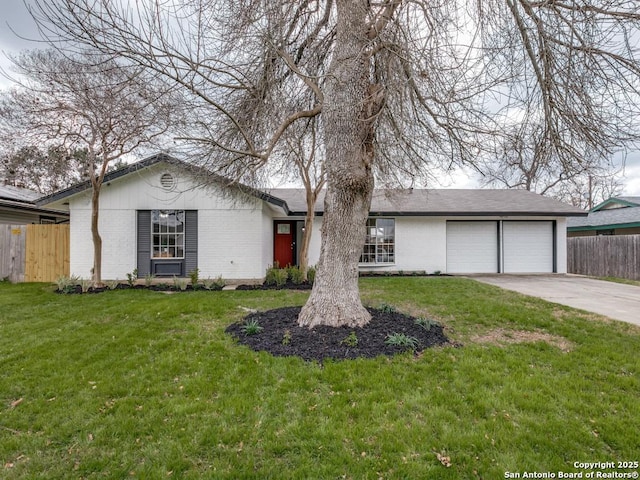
(605, 256)
(34, 253)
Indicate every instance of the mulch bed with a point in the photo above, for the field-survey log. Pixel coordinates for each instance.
(287, 286)
(281, 336)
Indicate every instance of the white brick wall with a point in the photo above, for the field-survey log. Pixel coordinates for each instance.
(235, 236)
(231, 232)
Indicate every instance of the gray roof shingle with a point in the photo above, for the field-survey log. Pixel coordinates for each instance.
(449, 202)
(397, 202)
(606, 218)
(9, 192)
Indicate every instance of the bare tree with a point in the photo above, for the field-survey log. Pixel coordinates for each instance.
(526, 159)
(399, 84)
(85, 102)
(587, 191)
(307, 157)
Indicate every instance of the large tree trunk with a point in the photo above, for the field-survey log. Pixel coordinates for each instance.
(350, 104)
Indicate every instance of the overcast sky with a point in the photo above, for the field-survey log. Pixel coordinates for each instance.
(14, 17)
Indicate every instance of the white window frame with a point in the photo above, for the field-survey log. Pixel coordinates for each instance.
(378, 238)
(167, 242)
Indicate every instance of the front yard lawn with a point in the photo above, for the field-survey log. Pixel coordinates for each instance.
(143, 384)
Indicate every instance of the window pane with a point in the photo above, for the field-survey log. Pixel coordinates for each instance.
(379, 241)
(167, 227)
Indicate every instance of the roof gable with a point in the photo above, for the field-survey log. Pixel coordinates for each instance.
(196, 171)
(617, 202)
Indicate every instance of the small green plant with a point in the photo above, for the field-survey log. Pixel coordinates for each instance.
(281, 277)
(180, 283)
(386, 308)
(148, 279)
(350, 340)
(437, 272)
(276, 276)
(67, 284)
(286, 338)
(311, 274)
(112, 284)
(402, 340)
(270, 276)
(426, 323)
(217, 283)
(251, 327)
(86, 284)
(194, 275)
(132, 277)
(295, 275)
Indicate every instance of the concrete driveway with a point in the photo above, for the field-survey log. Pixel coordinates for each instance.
(613, 300)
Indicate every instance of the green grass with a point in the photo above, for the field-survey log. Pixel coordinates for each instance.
(620, 280)
(139, 384)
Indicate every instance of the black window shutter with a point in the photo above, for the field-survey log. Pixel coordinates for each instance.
(144, 243)
(191, 241)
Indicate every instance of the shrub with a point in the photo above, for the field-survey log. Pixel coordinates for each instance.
(86, 284)
(112, 284)
(295, 275)
(270, 276)
(148, 279)
(67, 284)
(286, 338)
(194, 275)
(402, 340)
(131, 277)
(276, 276)
(180, 283)
(251, 327)
(217, 283)
(311, 275)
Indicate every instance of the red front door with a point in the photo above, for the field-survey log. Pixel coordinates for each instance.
(283, 243)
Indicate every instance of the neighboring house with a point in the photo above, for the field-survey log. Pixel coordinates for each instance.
(18, 207)
(615, 216)
(167, 218)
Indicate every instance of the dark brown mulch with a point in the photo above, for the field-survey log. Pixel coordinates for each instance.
(330, 342)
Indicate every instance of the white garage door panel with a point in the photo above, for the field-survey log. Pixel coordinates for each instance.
(527, 247)
(472, 247)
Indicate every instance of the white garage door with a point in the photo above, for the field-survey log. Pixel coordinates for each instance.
(527, 247)
(472, 247)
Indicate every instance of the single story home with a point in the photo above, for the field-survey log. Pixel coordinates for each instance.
(18, 207)
(615, 216)
(164, 217)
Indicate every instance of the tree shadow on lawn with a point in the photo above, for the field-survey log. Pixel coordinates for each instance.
(279, 334)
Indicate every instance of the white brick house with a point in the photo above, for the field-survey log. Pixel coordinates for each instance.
(161, 217)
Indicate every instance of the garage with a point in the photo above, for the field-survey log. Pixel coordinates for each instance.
(527, 247)
(507, 246)
(472, 247)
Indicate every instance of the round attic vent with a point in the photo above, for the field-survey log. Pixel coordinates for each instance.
(168, 181)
